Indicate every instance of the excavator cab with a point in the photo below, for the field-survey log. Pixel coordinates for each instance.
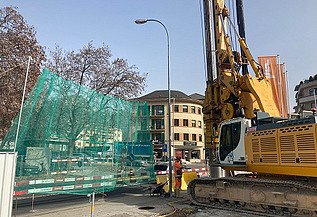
(231, 150)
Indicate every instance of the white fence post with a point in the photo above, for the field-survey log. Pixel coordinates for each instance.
(7, 176)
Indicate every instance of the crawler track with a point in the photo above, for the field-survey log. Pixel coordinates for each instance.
(266, 196)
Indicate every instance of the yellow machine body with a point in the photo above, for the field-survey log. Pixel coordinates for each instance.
(286, 151)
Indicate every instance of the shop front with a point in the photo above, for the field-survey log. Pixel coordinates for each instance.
(187, 152)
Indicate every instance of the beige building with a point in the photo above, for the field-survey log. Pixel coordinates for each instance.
(306, 96)
(187, 125)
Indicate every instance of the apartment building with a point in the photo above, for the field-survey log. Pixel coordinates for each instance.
(187, 127)
(306, 95)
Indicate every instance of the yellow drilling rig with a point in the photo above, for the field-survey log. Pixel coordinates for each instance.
(245, 133)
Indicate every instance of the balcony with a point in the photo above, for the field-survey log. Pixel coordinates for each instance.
(306, 99)
(157, 142)
(157, 114)
(157, 128)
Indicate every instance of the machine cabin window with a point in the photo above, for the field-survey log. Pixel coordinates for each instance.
(229, 139)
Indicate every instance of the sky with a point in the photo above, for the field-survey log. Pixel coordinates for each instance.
(273, 27)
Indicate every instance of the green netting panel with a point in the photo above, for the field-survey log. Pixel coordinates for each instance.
(75, 140)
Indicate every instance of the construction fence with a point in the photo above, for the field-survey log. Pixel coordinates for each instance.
(73, 140)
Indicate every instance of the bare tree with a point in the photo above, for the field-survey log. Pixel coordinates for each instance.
(17, 43)
(91, 66)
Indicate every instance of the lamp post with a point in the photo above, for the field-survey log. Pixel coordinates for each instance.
(143, 21)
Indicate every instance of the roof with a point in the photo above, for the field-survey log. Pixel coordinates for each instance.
(160, 95)
(197, 96)
(310, 79)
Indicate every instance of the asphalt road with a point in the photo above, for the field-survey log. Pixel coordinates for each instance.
(130, 201)
(121, 202)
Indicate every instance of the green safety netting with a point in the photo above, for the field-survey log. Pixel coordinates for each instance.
(75, 140)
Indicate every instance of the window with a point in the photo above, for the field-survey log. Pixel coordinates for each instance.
(196, 154)
(194, 137)
(144, 110)
(176, 136)
(186, 136)
(185, 108)
(311, 91)
(157, 138)
(193, 123)
(176, 122)
(176, 108)
(200, 138)
(157, 109)
(158, 124)
(185, 122)
(229, 138)
(199, 124)
(193, 109)
(199, 111)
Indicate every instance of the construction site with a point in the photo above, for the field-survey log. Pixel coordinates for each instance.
(72, 150)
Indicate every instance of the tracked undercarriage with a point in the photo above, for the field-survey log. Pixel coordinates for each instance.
(278, 197)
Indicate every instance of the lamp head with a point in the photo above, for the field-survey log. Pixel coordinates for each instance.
(140, 21)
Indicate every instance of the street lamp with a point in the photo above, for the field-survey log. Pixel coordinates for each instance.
(143, 21)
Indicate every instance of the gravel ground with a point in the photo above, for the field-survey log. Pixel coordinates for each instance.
(124, 202)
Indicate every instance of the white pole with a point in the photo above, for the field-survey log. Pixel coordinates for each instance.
(32, 203)
(279, 85)
(173, 120)
(19, 121)
(315, 98)
(22, 102)
(92, 206)
(287, 90)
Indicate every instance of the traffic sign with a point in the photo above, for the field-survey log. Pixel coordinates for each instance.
(164, 148)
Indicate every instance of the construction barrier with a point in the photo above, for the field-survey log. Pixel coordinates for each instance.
(162, 179)
(186, 178)
(78, 184)
(203, 171)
